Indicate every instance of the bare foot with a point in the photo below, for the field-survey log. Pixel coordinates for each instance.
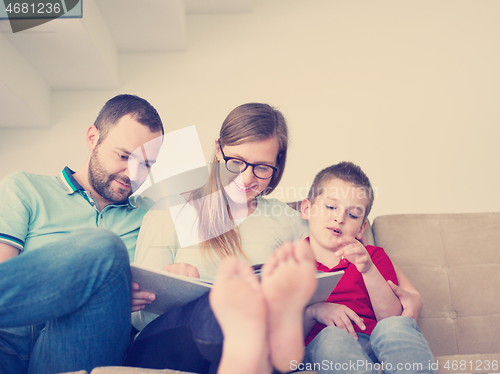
(239, 307)
(288, 281)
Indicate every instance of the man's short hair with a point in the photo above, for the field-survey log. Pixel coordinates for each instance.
(347, 172)
(122, 105)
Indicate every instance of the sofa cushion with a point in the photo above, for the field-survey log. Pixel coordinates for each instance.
(454, 261)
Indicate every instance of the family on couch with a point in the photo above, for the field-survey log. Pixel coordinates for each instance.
(66, 301)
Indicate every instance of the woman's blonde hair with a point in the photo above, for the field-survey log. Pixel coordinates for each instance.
(247, 123)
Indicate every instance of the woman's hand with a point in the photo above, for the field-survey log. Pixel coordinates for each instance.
(331, 314)
(140, 298)
(182, 269)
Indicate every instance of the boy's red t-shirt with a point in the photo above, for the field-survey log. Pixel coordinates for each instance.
(351, 290)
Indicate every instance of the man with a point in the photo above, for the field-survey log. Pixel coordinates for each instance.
(63, 248)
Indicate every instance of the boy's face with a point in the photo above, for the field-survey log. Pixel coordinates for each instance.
(337, 212)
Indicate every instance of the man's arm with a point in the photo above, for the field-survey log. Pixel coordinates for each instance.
(408, 295)
(7, 251)
(16, 197)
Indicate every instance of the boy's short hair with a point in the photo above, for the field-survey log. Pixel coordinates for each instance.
(347, 172)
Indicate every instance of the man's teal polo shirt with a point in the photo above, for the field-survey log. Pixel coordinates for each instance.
(39, 209)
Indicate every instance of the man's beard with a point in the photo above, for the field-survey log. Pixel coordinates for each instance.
(100, 181)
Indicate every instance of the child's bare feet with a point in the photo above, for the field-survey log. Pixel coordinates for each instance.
(288, 281)
(239, 307)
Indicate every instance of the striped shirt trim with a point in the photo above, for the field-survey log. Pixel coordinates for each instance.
(15, 242)
(70, 184)
(131, 203)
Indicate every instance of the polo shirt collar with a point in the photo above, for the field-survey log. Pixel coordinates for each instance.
(70, 185)
(68, 182)
(343, 264)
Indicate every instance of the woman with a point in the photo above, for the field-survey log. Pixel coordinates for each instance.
(215, 220)
(227, 216)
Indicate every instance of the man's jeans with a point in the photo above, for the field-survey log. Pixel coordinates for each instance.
(396, 345)
(76, 289)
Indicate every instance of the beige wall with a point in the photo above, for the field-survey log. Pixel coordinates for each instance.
(409, 90)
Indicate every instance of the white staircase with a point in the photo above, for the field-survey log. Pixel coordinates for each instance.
(83, 53)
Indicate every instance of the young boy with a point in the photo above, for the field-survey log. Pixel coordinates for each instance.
(337, 207)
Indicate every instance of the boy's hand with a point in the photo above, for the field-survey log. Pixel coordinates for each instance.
(355, 252)
(331, 314)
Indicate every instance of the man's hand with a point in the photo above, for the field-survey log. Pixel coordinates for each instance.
(411, 301)
(355, 252)
(339, 315)
(140, 298)
(182, 269)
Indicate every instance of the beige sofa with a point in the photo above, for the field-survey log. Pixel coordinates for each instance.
(454, 261)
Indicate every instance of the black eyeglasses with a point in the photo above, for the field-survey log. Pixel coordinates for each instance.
(237, 165)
